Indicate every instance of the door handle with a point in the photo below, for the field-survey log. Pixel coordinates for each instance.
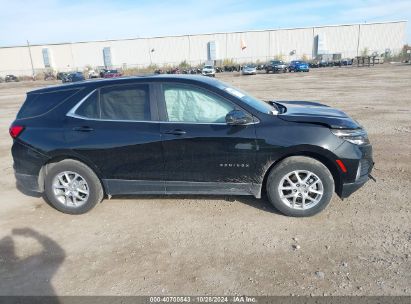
(83, 129)
(175, 132)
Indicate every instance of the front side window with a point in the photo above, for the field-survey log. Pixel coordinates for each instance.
(193, 105)
(128, 102)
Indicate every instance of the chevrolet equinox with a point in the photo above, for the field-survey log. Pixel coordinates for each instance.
(78, 143)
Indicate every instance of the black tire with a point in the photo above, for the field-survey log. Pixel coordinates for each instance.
(94, 186)
(289, 165)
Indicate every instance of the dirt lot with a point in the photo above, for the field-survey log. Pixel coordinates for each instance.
(202, 245)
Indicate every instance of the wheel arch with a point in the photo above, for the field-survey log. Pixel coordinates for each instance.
(326, 161)
(58, 158)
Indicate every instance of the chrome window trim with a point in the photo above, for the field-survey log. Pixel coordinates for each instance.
(72, 113)
(74, 109)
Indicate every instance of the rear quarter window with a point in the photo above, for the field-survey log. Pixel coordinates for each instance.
(37, 104)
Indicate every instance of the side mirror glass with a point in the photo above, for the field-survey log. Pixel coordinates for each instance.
(238, 117)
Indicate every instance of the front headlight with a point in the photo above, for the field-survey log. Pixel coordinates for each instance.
(354, 136)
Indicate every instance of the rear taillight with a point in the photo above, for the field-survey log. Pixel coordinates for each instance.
(15, 131)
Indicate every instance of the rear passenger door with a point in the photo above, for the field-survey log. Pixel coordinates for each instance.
(116, 128)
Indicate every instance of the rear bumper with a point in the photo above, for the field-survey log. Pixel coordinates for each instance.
(27, 164)
(27, 183)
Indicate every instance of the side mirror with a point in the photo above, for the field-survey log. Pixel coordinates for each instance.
(238, 117)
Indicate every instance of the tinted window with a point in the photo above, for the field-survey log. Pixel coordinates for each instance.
(129, 102)
(39, 103)
(189, 104)
(90, 107)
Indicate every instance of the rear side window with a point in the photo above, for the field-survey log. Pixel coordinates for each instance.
(128, 102)
(90, 107)
(39, 103)
(125, 103)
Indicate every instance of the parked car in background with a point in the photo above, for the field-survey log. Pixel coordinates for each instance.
(218, 69)
(11, 78)
(260, 67)
(208, 70)
(230, 68)
(314, 64)
(92, 74)
(249, 69)
(175, 70)
(61, 75)
(324, 64)
(105, 73)
(346, 61)
(73, 77)
(298, 66)
(185, 134)
(276, 66)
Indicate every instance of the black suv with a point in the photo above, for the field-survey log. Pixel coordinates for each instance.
(276, 66)
(168, 134)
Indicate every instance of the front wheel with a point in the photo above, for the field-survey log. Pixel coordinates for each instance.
(300, 186)
(72, 187)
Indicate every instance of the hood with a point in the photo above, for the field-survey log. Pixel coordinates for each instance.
(316, 113)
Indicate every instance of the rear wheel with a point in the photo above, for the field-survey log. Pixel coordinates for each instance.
(72, 187)
(300, 186)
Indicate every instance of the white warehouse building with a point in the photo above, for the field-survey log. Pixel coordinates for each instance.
(349, 40)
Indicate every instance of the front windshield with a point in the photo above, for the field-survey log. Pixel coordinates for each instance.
(250, 100)
(208, 67)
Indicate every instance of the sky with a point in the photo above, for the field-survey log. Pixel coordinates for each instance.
(55, 21)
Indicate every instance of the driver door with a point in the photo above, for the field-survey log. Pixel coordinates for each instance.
(200, 149)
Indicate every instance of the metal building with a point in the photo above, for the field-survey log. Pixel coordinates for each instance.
(249, 46)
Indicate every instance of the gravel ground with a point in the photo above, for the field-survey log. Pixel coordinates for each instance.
(207, 245)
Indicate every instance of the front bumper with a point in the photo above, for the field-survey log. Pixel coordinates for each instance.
(359, 163)
(350, 188)
(208, 74)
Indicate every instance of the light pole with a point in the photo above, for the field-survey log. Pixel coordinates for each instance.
(31, 61)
